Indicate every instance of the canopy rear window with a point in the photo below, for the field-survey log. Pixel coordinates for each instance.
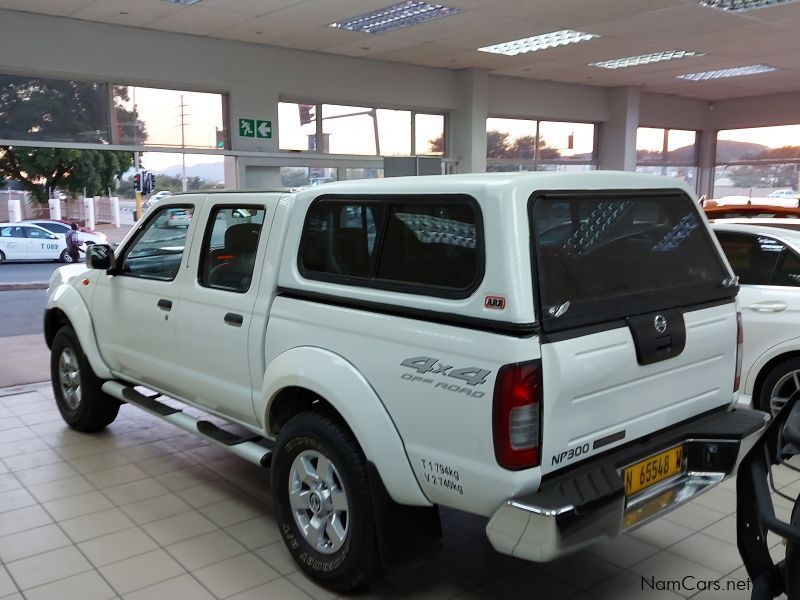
(613, 255)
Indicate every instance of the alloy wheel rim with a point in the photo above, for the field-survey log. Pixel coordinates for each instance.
(783, 390)
(318, 501)
(69, 378)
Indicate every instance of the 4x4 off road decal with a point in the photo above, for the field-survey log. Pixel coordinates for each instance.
(425, 365)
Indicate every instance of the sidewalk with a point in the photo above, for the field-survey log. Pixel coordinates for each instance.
(26, 359)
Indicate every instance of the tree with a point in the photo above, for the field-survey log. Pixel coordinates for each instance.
(54, 110)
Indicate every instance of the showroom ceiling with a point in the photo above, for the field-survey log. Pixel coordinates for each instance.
(706, 39)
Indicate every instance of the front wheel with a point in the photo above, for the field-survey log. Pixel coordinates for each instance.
(322, 502)
(79, 396)
(793, 559)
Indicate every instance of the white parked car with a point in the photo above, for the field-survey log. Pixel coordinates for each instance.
(556, 352)
(765, 254)
(786, 194)
(86, 235)
(25, 241)
(154, 199)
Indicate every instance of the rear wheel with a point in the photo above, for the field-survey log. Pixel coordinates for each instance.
(66, 257)
(79, 396)
(2, 257)
(779, 385)
(793, 559)
(322, 502)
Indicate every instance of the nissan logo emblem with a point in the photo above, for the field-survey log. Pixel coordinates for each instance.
(660, 323)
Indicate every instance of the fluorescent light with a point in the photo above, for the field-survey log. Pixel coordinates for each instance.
(742, 5)
(645, 59)
(539, 42)
(733, 72)
(396, 16)
(183, 1)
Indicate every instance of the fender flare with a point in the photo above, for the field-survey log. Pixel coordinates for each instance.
(66, 299)
(342, 385)
(785, 347)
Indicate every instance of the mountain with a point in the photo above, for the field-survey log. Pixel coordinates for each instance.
(729, 150)
(209, 171)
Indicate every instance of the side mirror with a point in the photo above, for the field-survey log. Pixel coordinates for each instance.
(100, 256)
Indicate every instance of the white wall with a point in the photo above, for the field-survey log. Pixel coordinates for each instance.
(514, 97)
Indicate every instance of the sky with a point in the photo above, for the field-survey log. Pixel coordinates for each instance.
(773, 137)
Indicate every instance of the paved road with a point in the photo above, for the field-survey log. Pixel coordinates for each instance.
(21, 311)
(14, 272)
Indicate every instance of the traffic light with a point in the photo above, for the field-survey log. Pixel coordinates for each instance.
(151, 182)
(137, 182)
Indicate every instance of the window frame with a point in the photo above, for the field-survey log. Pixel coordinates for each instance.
(207, 238)
(119, 260)
(385, 201)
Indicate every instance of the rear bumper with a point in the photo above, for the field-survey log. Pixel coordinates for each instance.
(575, 509)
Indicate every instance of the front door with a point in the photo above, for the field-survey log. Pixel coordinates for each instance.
(217, 337)
(133, 309)
(41, 244)
(13, 242)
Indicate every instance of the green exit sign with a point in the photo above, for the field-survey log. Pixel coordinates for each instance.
(255, 128)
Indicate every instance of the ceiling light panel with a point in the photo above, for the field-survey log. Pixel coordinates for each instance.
(183, 1)
(742, 5)
(396, 16)
(732, 72)
(540, 42)
(645, 59)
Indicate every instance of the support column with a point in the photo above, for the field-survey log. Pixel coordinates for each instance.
(618, 136)
(468, 124)
(706, 162)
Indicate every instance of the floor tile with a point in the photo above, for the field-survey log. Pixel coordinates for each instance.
(204, 494)
(45, 473)
(23, 446)
(32, 541)
(277, 556)
(427, 581)
(86, 586)
(76, 506)
(115, 476)
(153, 509)
(90, 447)
(7, 585)
(623, 551)
(31, 460)
(256, 532)
(724, 530)
(479, 563)
(21, 519)
(141, 571)
(235, 575)
(280, 588)
(16, 434)
(662, 533)
(99, 462)
(230, 512)
(628, 586)
(509, 585)
(207, 549)
(178, 527)
(134, 491)
(96, 524)
(111, 548)
(46, 567)
(695, 516)
(179, 588)
(709, 552)
(666, 566)
(8, 482)
(14, 499)
(62, 488)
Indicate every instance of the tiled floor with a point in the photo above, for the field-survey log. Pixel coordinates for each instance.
(144, 511)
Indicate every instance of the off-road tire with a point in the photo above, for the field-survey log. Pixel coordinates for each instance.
(771, 380)
(793, 559)
(89, 409)
(356, 562)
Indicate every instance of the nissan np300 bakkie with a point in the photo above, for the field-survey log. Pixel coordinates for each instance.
(558, 353)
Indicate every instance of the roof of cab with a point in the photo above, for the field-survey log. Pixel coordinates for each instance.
(526, 182)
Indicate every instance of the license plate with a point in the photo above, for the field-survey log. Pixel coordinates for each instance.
(653, 469)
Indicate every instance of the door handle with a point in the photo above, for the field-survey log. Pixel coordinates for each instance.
(770, 306)
(234, 319)
(165, 304)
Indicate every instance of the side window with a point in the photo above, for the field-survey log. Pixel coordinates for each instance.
(339, 239)
(430, 244)
(788, 272)
(13, 231)
(229, 248)
(753, 257)
(157, 251)
(37, 233)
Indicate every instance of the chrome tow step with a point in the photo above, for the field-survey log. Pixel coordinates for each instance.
(245, 447)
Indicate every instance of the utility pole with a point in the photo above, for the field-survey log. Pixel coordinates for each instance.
(138, 192)
(183, 144)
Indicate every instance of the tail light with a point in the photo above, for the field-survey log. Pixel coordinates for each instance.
(516, 418)
(739, 341)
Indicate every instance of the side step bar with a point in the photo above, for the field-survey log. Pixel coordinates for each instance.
(245, 447)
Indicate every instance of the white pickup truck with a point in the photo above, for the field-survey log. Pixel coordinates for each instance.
(556, 352)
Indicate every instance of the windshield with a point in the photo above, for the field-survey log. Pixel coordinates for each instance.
(609, 256)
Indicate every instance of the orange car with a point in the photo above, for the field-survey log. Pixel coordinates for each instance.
(761, 211)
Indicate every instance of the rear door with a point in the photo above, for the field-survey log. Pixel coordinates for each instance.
(13, 242)
(638, 317)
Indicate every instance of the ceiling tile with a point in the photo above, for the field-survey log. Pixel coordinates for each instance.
(319, 38)
(262, 30)
(374, 45)
(139, 12)
(256, 7)
(324, 12)
(199, 20)
(45, 7)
